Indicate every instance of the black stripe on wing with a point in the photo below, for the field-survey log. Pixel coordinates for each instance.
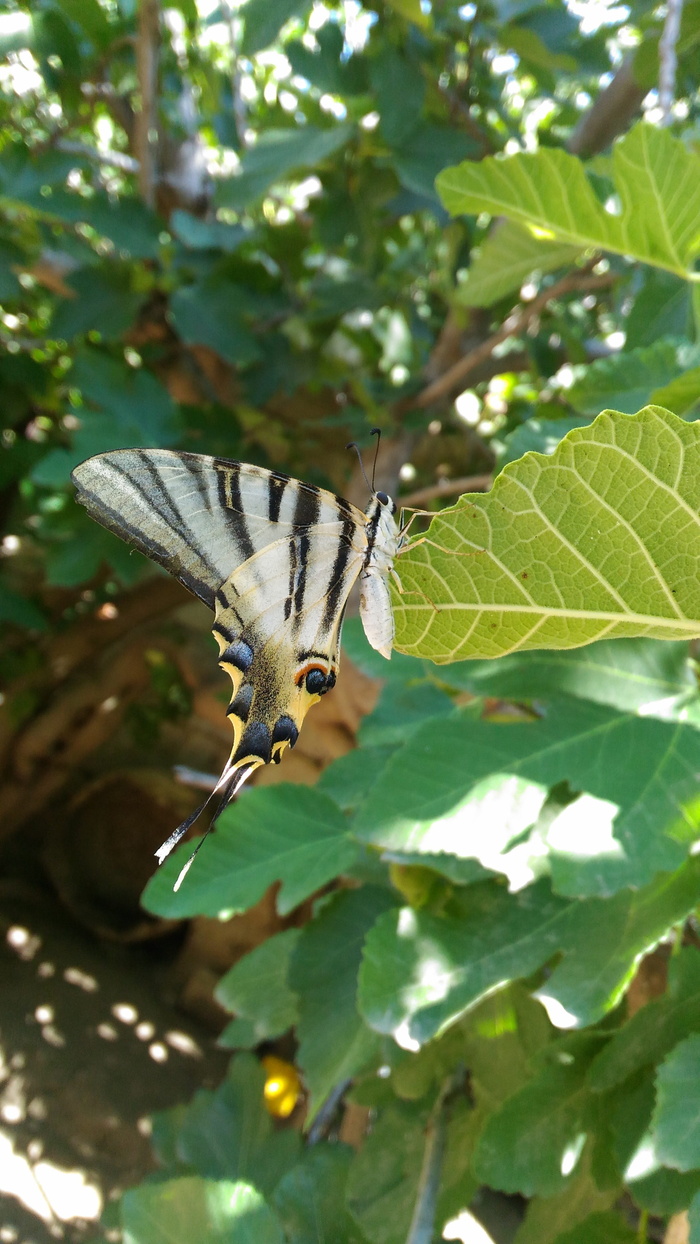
(306, 511)
(188, 569)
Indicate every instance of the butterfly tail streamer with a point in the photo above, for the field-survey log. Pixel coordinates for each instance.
(226, 788)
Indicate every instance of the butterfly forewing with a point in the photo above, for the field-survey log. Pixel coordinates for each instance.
(200, 517)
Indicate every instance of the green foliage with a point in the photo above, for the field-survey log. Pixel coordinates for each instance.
(565, 549)
(549, 193)
(517, 828)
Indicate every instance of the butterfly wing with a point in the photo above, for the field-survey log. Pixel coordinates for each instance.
(198, 516)
(273, 557)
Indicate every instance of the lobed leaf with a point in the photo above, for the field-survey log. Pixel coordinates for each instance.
(676, 1121)
(334, 1041)
(599, 540)
(549, 190)
(470, 787)
(278, 833)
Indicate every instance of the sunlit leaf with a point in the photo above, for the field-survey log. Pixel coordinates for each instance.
(599, 540)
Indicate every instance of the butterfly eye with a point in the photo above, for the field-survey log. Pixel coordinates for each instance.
(382, 496)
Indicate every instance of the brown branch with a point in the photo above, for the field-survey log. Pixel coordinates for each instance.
(147, 116)
(114, 159)
(517, 322)
(611, 114)
(446, 488)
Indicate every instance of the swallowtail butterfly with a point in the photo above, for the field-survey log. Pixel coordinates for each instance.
(275, 559)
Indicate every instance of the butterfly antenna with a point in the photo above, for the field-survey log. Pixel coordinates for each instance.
(354, 445)
(378, 433)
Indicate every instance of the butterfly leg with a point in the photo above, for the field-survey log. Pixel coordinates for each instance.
(411, 591)
(441, 548)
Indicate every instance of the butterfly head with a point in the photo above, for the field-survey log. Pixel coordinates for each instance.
(386, 502)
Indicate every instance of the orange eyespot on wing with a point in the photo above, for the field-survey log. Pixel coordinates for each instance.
(317, 679)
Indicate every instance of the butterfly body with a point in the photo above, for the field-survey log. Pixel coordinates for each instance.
(274, 558)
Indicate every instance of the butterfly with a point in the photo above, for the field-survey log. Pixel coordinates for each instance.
(275, 559)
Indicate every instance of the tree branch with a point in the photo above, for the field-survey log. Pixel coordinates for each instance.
(668, 59)
(423, 1221)
(446, 488)
(611, 114)
(517, 322)
(146, 118)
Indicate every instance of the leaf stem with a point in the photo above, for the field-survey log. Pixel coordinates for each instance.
(423, 1220)
(642, 1228)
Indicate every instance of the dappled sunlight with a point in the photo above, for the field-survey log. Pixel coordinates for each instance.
(644, 1161)
(45, 1189)
(466, 1228)
(498, 810)
(572, 1153)
(585, 829)
(557, 1013)
(87, 1052)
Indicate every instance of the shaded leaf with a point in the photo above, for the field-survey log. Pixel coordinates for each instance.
(656, 1028)
(624, 673)
(210, 313)
(540, 435)
(627, 381)
(532, 1143)
(228, 1134)
(676, 1121)
(265, 18)
(104, 302)
(179, 1211)
(256, 989)
(435, 793)
(547, 1217)
(310, 1199)
(276, 154)
(422, 971)
(506, 258)
(382, 1183)
(280, 833)
(334, 1041)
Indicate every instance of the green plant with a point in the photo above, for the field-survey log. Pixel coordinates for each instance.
(516, 830)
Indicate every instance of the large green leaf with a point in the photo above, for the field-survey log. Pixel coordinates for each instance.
(382, 1184)
(334, 1041)
(653, 1031)
(676, 1120)
(278, 833)
(624, 673)
(104, 302)
(532, 1143)
(600, 1229)
(453, 779)
(211, 313)
(546, 1218)
(310, 1199)
(228, 1133)
(600, 539)
(256, 991)
(423, 971)
(508, 255)
(548, 190)
(188, 1208)
(265, 18)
